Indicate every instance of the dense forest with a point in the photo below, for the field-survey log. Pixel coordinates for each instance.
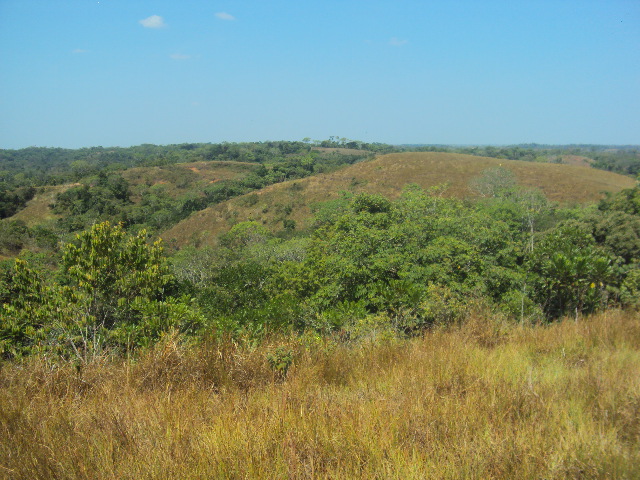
(98, 278)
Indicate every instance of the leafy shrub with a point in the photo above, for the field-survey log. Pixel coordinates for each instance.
(630, 289)
(245, 234)
(249, 200)
(113, 269)
(111, 295)
(280, 360)
(441, 306)
(572, 270)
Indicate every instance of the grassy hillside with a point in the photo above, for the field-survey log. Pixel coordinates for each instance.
(387, 175)
(293, 200)
(483, 400)
(38, 209)
(175, 180)
(181, 178)
(577, 160)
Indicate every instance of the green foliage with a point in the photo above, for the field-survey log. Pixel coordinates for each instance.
(622, 159)
(519, 304)
(245, 234)
(21, 293)
(193, 268)
(370, 330)
(618, 232)
(625, 160)
(156, 318)
(630, 288)
(391, 257)
(242, 294)
(103, 197)
(112, 295)
(369, 267)
(112, 269)
(627, 201)
(327, 212)
(441, 305)
(13, 235)
(370, 204)
(280, 360)
(495, 182)
(103, 193)
(573, 271)
(13, 201)
(249, 200)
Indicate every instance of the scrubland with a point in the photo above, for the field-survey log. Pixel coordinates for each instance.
(481, 399)
(387, 175)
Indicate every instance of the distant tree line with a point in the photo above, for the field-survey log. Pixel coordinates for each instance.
(21, 170)
(35, 166)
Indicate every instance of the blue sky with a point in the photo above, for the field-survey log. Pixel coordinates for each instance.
(79, 73)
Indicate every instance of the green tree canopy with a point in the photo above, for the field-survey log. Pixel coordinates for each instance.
(113, 268)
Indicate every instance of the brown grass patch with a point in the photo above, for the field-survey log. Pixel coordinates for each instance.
(558, 401)
(577, 160)
(181, 178)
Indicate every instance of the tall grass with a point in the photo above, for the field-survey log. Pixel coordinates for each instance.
(481, 400)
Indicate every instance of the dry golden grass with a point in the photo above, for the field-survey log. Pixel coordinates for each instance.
(483, 400)
(387, 175)
(577, 160)
(183, 177)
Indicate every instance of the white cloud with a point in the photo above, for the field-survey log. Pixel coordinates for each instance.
(397, 42)
(154, 21)
(80, 50)
(225, 16)
(179, 56)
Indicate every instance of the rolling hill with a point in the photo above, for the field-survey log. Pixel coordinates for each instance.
(175, 180)
(184, 177)
(387, 175)
(38, 209)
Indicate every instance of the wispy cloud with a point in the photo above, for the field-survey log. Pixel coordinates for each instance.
(225, 16)
(179, 56)
(398, 42)
(154, 21)
(79, 51)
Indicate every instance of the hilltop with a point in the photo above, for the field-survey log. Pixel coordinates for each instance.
(181, 178)
(152, 187)
(387, 175)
